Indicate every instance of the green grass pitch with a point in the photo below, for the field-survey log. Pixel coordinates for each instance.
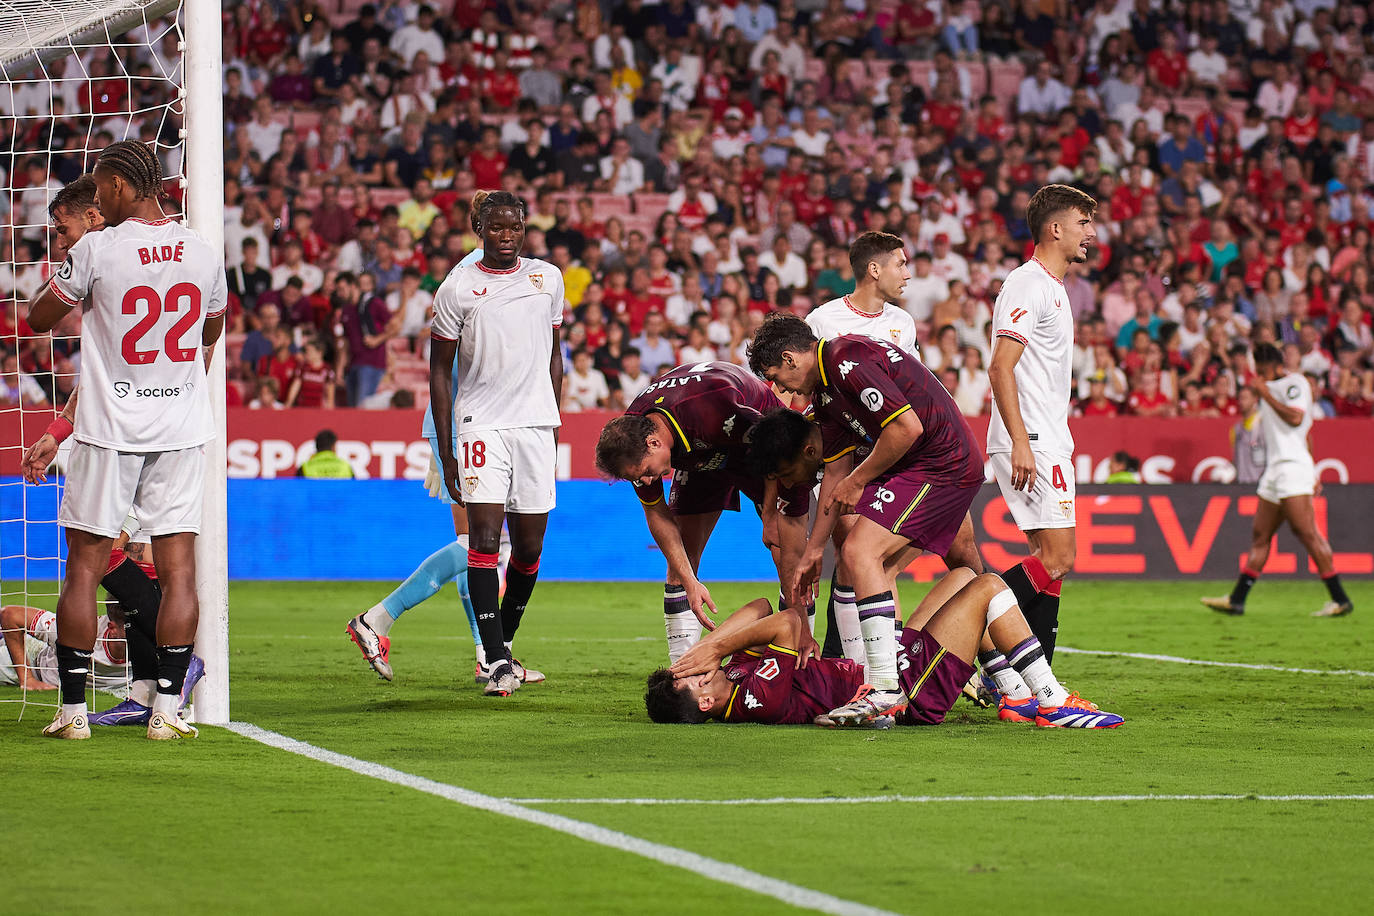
(225, 825)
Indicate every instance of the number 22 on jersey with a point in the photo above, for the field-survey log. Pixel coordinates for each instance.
(145, 297)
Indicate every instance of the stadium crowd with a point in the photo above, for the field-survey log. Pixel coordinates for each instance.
(692, 166)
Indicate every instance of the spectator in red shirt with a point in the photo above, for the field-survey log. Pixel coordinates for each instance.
(1146, 399)
(312, 385)
(1098, 404)
(1166, 66)
(500, 85)
(487, 163)
(1194, 403)
(1301, 125)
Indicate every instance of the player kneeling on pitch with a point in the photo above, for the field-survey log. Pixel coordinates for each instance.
(765, 682)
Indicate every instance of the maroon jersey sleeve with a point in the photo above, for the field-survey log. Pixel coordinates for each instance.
(856, 370)
(763, 688)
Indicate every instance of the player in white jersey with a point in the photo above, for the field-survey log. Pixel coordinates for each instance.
(1028, 435)
(879, 263)
(1287, 485)
(153, 294)
(499, 318)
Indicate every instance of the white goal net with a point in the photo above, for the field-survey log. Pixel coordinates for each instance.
(75, 76)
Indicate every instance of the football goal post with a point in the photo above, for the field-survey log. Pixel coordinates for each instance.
(74, 76)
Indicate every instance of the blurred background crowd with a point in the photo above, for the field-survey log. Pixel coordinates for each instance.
(692, 165)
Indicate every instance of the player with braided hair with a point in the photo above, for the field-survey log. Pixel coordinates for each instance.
(152, 294)
(497, 319)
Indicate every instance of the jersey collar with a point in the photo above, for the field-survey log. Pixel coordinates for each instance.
(485, 269)
(1042, 266)
(820, 362)
(858, 311)
(675, 427)
(151, 222)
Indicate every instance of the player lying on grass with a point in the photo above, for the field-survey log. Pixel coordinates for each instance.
(28, 657)
(766, 682)
(914, 487)
(692, 427)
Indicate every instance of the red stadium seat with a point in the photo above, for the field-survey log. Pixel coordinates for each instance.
(650, 204)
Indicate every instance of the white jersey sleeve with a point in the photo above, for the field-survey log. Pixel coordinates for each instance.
(1033, 310)
(1281, 441)
(558, 298)
(72, 281)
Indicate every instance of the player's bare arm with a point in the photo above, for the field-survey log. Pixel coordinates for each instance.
(556, 374)
(46, 309)
(808, 571)
(759, 627)
(17, 621)
(663, 527)
(897, 437)
(43, 453)
(441, 354)
(1006, 352)
(1293, 416)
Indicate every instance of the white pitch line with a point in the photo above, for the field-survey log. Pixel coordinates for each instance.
(715, 870)
(1177, 660)
(929, 799)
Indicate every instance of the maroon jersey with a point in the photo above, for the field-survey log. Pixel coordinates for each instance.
(710, 407)
(314, 380)
(866, 384)
(770, 689)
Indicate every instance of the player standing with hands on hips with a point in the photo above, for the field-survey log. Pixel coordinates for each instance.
(1028, 436)
(153, 294)
(499, 317)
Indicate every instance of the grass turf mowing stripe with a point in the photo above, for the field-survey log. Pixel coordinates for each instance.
(1177, 660)
(713, 869)
(930, 799)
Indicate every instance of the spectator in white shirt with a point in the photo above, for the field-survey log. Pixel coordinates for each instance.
(584, 388)
(1207, 65)
(633, 378)
(412, 304)
(791, 55)
(946, 263)
(786, 264)
(1041, 94)
(294, 265)
(621, 173)
(655, 350)
(1277, 94)
(697, 349)
(418, 36)
(924, 289)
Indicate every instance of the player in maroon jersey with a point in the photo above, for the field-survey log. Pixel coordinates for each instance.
(763, 683)
(914, 487)
(693, 423)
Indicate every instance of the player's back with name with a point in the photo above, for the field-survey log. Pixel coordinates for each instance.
(147, 289)
(503, 321)
(710, 406)
(866, 384)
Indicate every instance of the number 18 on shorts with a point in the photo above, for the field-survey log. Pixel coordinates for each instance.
(1048, 504)
(509, 467)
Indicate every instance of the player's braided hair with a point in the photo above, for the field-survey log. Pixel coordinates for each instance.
(779, 332)
(77, 197)
(137, 164)
(669, 705)
(622, 444)
(779, 436)
(484, 202)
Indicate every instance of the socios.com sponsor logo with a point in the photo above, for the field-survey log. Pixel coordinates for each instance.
(122, 390)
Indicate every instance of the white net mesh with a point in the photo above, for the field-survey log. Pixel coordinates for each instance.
(75, 76)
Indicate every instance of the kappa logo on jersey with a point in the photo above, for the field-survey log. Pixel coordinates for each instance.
(1018, 314)
(825, 399)
(537, 281)
(121, 389)
(769, 669)
(482, 293)
(729, 425)
(751, 701)
(872, 398)
(884, 497)
(845, 368)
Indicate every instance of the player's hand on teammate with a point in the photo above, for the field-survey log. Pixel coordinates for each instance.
(699, 598)
(455, 490)
(37, 460)
(846, 496)
(1022, 467)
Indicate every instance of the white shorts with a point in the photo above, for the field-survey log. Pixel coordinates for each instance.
(1287, 478)
(164, 489)
(1048, 504)
(514, 468)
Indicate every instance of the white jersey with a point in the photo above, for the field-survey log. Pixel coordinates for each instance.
(1281, 441)
(840, 316)
(147, 289)
(1033, 310)
(504, 322)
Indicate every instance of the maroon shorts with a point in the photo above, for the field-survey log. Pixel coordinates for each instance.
(925, 512)
(699, 492)
(931, 676)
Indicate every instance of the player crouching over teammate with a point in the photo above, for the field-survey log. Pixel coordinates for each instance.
(764, 683)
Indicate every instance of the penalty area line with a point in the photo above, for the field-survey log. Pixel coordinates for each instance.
(713, 869)
(1208, 663)
(932, 799)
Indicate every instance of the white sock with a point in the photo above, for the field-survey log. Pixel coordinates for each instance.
(1010, 685)
(683, 632)
(378, 619)
(847, 622)
(166, 703)
(481, 655)
(1028, 658)
(141, 692)
(876, 616)
(72, 710)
